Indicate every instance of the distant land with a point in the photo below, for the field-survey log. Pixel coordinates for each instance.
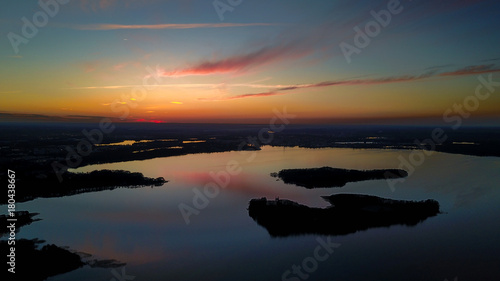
(349, 213)
(41, 152)
(334, 177)
(45, 142)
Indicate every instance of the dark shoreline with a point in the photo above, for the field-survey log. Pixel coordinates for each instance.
(50, 260)
(23, 218)
(47, 260)
(25, 256)
(29, 188)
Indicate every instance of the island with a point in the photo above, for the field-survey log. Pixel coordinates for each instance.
(347, 214)
(334, 177)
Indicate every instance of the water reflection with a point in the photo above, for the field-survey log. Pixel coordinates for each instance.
(144, 228)
(125, 142)
(28, 256)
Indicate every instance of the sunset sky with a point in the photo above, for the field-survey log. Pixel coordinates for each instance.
(184, 61)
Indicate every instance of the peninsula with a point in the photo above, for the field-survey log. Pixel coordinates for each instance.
(46, 185)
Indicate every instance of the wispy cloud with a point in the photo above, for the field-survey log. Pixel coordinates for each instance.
(294, 43)
(473, 69)
(265, 94)
(437, 67)
(192, 85)
(469, 70)
(280, 89)
(242, 62)
(106, 26)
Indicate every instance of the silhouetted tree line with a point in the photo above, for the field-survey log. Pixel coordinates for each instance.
(35, 264)
(334, 177)
(22, 218)
(349, 213)
(30, 186)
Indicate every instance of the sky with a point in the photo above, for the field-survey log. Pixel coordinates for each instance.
(240, 61)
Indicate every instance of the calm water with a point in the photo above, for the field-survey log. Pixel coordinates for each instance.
(144, 227)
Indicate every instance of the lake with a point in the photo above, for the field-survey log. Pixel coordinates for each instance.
(144, 227)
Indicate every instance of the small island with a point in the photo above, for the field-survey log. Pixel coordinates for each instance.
(334, 177)
(348, 213)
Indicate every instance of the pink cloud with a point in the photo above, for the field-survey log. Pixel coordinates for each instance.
(469, 70)
(238, 63)
(294, 43)
(473, 69)
(265, 94)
